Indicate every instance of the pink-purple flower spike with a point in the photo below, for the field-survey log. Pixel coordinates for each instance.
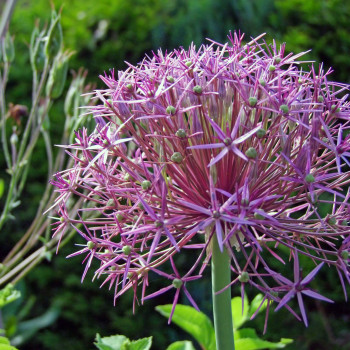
(234, 140)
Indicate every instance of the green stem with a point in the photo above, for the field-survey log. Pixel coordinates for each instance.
(221, 277)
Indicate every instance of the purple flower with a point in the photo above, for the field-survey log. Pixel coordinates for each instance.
(231, 140)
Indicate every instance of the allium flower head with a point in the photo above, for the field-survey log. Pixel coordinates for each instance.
(232, 140)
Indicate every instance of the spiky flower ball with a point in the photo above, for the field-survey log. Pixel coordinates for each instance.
(230, 140)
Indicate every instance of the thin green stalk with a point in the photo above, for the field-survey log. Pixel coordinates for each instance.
(221, 277)
(6, 16)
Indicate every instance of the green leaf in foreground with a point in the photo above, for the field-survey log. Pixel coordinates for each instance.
(120, 342)
(247, 339)
(255, 344)
(5, 344)
(193, 322)
(239, 315)
(181, 345)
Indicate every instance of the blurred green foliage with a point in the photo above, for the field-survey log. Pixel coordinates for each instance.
(104, 34)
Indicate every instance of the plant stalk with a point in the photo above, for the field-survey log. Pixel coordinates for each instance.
(221, 277)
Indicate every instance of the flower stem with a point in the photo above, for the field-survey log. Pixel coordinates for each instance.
(221, 277)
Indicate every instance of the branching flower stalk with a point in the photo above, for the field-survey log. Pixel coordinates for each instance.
(49, 65)
(231, 145)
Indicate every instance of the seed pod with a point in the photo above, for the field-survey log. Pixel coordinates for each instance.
(58, 76)
(37, 50)
(54, 37)
(8, 48)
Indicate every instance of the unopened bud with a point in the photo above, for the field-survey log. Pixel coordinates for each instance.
(260, 133)
(332, 220)
(262, 82)
(120, 217)
(320, 99)
(171, 110)
(110, 203)
(309, 178)
(251, 153)
(127, 249)
(197, 89)
(258, 216)
(177, 283)
(284, 109)
(91, 245)
(272, 68)
(244, 277)
(146, 185)
(170, 79)
(252, 101)
(345, 254)
(177, 157)
(14, 139)
(181, 133)
(188, 63)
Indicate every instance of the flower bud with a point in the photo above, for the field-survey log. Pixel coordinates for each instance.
(258, 216)
(197, 89)
(260, 133)
(127, 249)
(170, 79)
(262, 82)
(171, 110)
(320, 98)
(309, 178)
(284, 109)
(91, 245)
(177, 157)
(244, 277)
(120, 217)
(181, 133)
(110, 203)
(251, 153)
(332, 220)
(272, 68)
(345, 254)
(188, 63)
(146, 185)
(252, 101)
(177, 283)
(14, 139)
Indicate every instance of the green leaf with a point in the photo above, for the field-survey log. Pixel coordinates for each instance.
(255, 304)
(114, 342)
(246, 333)
(4, 340)
(181, 345)
(5, 344)
(193, 322)
(121, 342)
(2, 187)
(141, 344)
(238, 316)
(255, 344)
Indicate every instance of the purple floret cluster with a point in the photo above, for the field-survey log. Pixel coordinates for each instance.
(234, 141)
